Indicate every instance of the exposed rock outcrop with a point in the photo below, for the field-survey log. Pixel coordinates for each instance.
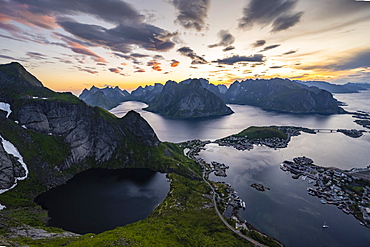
(26, 231)
(282, 95)
(10, 169)
(83, 128)
(146, 94)
(106, 98)
(89, 136)
(188, 101)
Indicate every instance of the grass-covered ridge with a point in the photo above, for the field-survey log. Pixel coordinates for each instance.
(254, 132)
(185, 218)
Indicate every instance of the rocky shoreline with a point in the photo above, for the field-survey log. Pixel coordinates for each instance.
(348, 190)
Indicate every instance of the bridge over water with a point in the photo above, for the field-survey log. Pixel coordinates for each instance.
(331, 131)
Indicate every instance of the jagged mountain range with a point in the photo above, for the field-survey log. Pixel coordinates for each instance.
(106, 98)
(273, 94)
(60, 135)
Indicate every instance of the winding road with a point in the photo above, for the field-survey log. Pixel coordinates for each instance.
(225, 222)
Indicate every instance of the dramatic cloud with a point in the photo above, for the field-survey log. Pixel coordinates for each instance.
(269, 47)
(11, 58)
(278, 13)
(122, 55)
(10, 10)
(12, 38)
(122, 37)
(229, 48)
(358, 60)
(115, 70)
(112, 11)
(138, 55)
(8, 27)
(80, 49)
(174, 63)
(237, 58)
(276, 67)
(158, 57)
(289, 52)
(155, 65)
(139, 70)
(130, 29)
(259, 43)
(36, 55)
(286, 21)
(191, 14)
(188, 52)
(226, 39)
(88, 70)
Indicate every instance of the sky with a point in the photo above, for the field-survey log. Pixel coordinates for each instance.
(70, 45)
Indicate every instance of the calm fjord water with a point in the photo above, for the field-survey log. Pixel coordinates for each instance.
(99, 200)
(286, 212)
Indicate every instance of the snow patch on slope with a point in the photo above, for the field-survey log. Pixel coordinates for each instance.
(12, 150)
(5, 107)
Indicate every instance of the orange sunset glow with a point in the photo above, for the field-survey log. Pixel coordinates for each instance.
(71, 46)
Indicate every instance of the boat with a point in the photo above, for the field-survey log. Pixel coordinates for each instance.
(283, 167)
(323, 201)
(310, 181)
(304, 178)
(243, 205)
(325, 225)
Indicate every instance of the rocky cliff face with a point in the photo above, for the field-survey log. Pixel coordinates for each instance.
(10, 169)
(146, 94)
(218, 90)
(282, 95)
(188, 101)
(106, 98)
(89, 134)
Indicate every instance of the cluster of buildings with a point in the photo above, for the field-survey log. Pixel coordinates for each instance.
(224, 193)
(352, 133)
(349, 193)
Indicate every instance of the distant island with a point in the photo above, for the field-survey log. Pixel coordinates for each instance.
(270, 94)
(47, 137)
(187, 101)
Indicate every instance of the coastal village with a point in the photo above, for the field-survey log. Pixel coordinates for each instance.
(227, 198)
(348, 190)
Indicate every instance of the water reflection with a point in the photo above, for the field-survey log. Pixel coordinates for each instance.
(98, 200)
(286, 212)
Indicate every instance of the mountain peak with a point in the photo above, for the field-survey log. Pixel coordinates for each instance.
(14, 73)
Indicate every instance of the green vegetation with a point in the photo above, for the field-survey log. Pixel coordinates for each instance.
(185, 218)
(358, 189)
(35, 146)
(65, 97)
(263, 239)
(254, 132)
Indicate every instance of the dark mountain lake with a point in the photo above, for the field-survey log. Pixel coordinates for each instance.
(98, 200)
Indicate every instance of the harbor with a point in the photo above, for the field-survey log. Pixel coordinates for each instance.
(348, 190)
